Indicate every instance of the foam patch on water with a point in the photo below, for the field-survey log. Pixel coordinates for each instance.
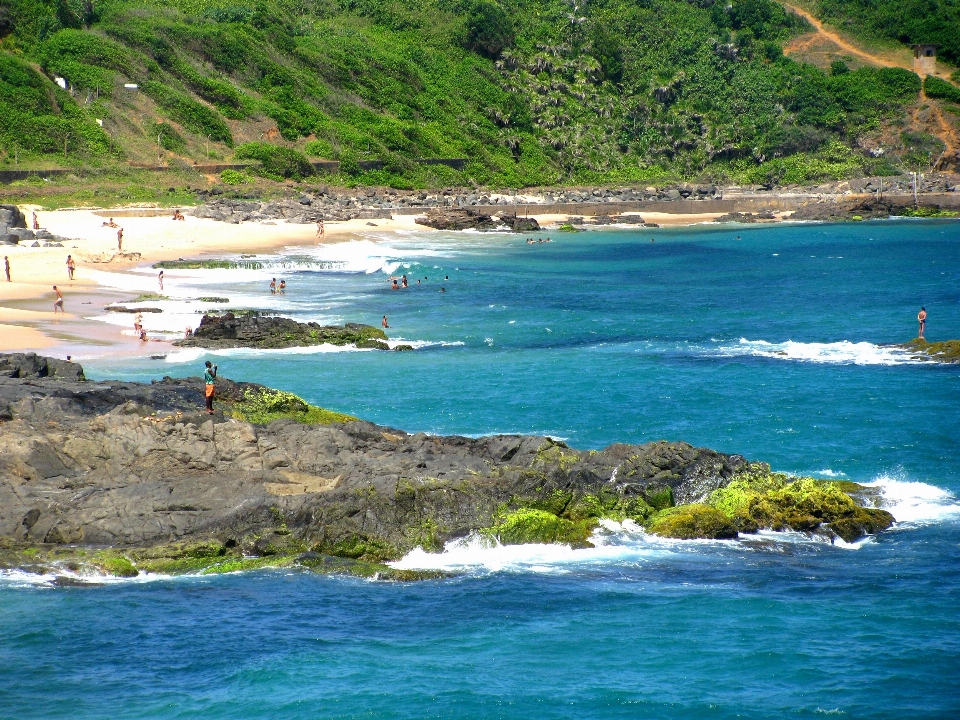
(840, 353)
(916, 503)
(62, 577)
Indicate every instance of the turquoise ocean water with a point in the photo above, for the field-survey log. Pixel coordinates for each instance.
(765, 341)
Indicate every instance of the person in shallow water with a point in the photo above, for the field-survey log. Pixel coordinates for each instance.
(403, 280)
(385, 323)
(209, 381)
(394, 286)
(922, 318)
(273, 286)
(282, 288)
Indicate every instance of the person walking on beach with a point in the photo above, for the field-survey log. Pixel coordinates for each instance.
(58, 303)
(120, 239)
(209, 378)
(273, 286)
(320, 228)
(6, 267)
(160, 280)
(385, 324)
(922, 318)
(71, 267)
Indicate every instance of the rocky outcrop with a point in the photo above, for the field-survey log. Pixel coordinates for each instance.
(139, 474)
(474, 220)
(31, 365)
(862, 210)
(944, 351)
(253, 330)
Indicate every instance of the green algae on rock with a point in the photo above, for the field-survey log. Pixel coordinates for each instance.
(757, 498)
(254, 330)
(945, 351)
(694, 521)
(263, 405)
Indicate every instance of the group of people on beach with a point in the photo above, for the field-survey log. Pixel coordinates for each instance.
(280, 289)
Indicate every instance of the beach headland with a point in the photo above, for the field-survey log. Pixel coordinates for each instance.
(123, 477)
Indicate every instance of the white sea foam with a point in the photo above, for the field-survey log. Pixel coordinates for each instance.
(841, 353)
(916, 503)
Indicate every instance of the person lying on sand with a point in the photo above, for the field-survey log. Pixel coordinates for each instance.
(177, 215)
(110, 223)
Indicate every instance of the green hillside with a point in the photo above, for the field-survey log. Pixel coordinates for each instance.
(530, 92)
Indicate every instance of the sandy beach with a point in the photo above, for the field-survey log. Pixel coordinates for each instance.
(28, 321)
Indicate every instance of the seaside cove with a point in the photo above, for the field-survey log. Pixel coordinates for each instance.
(592, 384)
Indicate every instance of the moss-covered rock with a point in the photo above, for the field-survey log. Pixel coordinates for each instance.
(529, 525)
(355, 547)
(256, 330)
(758, 498)
(331, 565)
(688, 522)
(262, 406)
(946, 351)
(114, 563)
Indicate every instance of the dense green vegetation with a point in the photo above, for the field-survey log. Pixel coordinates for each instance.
(531, 92)
(937, 88)
(908, 21)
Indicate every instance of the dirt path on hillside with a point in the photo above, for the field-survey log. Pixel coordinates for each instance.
(843, 44)
(947, 132)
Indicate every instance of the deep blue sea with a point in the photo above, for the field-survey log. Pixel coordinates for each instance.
(768, 341)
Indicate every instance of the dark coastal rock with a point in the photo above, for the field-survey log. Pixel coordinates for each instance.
(457, 220)
(254, 330)
(142, 477)
(11, 217)
(861, 210)
(31, 365)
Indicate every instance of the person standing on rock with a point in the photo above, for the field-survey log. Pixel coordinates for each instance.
(6, 267)
(58, 303)
(922, 318)
(209, 379)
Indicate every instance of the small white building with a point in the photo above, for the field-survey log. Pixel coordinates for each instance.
(925, 59)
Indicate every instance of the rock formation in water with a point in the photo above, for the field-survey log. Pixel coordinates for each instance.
(945, 351)
(253, 330)
(127, 477)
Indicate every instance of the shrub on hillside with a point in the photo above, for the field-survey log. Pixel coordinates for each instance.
(188, 112)
(277, 161)
(937, 88)
(234, 177)
(490, 30)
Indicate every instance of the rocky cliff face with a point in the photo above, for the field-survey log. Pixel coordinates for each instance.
(139, 468)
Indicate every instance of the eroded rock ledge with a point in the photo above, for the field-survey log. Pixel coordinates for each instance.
(124, 477)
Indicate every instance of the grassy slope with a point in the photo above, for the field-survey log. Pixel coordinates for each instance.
(531, 91)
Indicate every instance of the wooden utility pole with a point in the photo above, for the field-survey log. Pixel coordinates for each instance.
(65, 138)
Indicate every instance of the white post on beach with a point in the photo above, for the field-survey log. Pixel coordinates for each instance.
(914, 189)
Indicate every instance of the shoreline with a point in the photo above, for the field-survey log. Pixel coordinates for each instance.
(27, 325)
